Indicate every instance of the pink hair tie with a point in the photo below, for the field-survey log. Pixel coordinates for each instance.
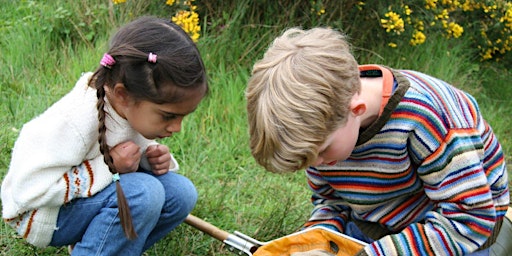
(107, 61)
(152, 57)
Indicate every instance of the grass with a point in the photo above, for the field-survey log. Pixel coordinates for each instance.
(37, 68)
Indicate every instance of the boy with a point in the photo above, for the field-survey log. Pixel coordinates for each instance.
(394, 157)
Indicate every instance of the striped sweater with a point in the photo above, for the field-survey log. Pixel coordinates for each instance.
(429, 170)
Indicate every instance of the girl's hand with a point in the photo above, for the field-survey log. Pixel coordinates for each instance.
(159, 158)
(126, 157)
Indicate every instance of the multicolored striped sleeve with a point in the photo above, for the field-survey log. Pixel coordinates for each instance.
(464, 212)
(329, 211)
(449, 148)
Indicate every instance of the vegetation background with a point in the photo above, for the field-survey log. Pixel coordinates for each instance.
(46, 45)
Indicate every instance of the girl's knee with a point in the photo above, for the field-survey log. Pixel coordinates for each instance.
(189, 201)
(144, 193)
(181, 194)
(190, 193)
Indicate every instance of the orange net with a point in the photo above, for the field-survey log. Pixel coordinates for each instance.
(313, 239)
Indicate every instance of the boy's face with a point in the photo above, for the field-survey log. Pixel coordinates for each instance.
(339, 144)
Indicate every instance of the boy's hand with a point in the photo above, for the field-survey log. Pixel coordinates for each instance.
(126, 157)
(159, 158)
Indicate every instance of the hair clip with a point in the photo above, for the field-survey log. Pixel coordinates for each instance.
(152, 57)
(107, 61)
(115, 177)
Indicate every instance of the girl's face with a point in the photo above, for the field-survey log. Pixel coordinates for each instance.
(156, 121)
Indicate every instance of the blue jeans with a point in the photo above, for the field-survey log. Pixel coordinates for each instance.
(157, 204)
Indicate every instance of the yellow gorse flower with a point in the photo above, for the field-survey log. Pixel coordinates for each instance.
(317, 7)
(394, 23)
(454, 30)
(417, 38)
(430, 4)
(189, 21)
(444, 15)
(408, 10)
(419, 25)
(507, 17)
(360, 5)
(392, 45)
(487, 55)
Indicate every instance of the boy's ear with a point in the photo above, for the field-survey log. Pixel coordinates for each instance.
(357, 106)
(120, 94)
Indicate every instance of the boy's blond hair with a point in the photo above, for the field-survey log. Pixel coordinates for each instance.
(298, 94)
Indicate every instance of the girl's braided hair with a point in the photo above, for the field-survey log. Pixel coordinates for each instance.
(179, 67)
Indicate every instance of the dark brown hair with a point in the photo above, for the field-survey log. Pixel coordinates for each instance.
(178, 68)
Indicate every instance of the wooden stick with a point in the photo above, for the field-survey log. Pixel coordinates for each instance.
(207, 228)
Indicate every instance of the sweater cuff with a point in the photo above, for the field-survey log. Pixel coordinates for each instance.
(174, 165)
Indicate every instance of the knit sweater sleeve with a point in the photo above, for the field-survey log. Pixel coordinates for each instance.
(54, 160)
(329, 210)
(464, 214)
(447, 148)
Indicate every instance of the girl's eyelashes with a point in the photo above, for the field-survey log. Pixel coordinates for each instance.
(168, 117)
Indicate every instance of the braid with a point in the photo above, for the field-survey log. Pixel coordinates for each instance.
(124, 209)
(102, 129)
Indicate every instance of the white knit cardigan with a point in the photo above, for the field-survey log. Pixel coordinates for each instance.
(53, 153)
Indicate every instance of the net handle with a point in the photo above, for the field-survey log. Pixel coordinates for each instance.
(207, 228)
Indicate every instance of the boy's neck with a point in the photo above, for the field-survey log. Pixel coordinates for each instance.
(371, 93)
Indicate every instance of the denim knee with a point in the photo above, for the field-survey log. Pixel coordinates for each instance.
(145, 195)
(181, 194)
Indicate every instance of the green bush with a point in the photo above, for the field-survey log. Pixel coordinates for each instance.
(487, 24)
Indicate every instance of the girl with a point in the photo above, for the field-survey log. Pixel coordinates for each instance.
(93, 151)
